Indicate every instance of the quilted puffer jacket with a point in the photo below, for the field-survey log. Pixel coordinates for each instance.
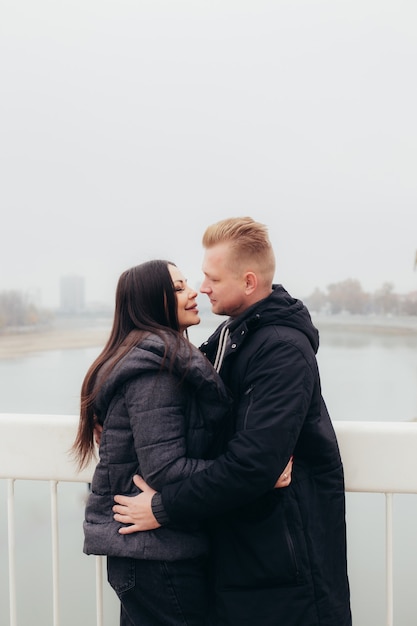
(161, 419)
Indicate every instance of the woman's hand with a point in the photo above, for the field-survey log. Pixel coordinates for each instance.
(285, 479)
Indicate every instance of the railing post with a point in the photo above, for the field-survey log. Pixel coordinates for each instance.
(99, 590)
(389, 558)
(12, 551)
(55, 551)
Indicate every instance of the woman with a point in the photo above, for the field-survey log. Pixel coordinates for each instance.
(161, 406)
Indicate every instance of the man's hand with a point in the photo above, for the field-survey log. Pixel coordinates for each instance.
(136, 510)
(285, 479)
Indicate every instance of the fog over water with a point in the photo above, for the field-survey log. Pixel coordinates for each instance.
(127, 127)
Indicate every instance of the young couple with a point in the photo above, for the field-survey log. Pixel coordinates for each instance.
(229, 532)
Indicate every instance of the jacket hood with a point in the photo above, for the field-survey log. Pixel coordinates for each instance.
(279, 308)
(188, 365)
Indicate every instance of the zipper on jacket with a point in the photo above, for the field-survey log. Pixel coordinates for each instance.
(291, 549)
(248, 392)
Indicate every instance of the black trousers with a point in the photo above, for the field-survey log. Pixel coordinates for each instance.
(160, 593)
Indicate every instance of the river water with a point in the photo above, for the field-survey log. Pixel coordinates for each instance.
(365, 376)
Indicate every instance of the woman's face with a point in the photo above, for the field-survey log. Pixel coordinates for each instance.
(186, 300)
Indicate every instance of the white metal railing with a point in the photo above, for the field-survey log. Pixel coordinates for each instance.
(36, 447)
(378, 457)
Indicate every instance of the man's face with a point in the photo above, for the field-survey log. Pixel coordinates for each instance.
(224, 284)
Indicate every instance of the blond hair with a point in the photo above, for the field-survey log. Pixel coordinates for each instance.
(249, 243)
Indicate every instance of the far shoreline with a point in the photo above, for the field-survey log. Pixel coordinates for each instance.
(17, 344)
(78, 335)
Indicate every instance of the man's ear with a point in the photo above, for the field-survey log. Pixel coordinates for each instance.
(251, 281)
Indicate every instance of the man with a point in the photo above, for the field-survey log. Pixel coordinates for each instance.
(279, 554)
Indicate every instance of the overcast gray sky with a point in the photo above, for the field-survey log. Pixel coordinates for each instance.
(127, 126)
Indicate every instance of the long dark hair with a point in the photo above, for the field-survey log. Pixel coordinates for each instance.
(145, 303)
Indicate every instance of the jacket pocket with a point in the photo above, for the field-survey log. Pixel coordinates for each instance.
(121, 573)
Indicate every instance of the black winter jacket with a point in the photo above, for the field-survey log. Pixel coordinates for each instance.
(280, 553)
(158, 424)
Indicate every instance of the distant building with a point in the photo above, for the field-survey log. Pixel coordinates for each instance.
(72, 294)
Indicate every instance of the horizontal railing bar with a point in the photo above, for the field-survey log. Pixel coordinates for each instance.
(378, 457)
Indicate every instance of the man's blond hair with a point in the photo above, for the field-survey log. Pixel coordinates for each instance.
(250, 248)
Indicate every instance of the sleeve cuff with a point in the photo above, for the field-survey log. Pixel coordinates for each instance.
(158, 510)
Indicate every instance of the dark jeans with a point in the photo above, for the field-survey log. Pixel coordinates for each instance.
(160, 593)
